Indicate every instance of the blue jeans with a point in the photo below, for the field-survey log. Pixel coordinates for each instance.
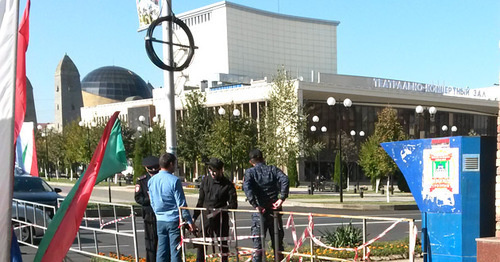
(169, 237)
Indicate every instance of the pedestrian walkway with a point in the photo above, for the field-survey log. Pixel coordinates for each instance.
(351, 200)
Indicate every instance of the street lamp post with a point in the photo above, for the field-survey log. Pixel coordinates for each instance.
(420, 110)
(353, 134)
(45, 134)
(452, 130)
(312, 178)
(347, 104)
(149, 130)
(236, 113)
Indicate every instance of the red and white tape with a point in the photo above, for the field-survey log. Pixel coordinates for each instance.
(114, 221)
(216, 239)
(308, 232)
(246, 252)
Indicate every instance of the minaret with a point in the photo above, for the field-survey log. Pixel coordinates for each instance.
(68, 93)
(30, 104)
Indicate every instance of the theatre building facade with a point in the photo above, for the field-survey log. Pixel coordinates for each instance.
(239, 49)
(446, 111)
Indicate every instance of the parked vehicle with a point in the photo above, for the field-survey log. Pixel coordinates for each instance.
(33, 206)
(29, 219)
(35, 189)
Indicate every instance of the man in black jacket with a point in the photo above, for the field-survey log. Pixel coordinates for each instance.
(152, 166)
(216, 191)
(266, 188)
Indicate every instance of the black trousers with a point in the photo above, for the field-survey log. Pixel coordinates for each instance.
(213, 227)
(151, 238)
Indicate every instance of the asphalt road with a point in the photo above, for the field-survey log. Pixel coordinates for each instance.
(106, 242)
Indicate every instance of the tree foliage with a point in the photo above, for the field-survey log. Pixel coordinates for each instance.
(232, 134)
(350, 153)
(373, 159)
(283, 131)
(193, 129)
(141, 150)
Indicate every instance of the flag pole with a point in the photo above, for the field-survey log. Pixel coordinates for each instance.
(8, 50)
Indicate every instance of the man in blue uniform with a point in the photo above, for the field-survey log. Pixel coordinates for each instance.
(152, 166)
(266, 188)
(167, 195)
(216, 191)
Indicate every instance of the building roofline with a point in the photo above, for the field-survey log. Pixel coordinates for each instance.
(257, 11)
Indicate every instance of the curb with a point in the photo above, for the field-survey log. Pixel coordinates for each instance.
(352, 206)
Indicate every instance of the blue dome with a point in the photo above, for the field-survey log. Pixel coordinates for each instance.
(115, 83)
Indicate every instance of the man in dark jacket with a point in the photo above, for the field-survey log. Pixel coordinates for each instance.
(216, 191)
(152, 166)
(266, 188)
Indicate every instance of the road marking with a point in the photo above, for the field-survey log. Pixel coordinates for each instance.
(336, 224)
(92, 246)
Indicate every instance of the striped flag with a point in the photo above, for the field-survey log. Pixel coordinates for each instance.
(109, 159)
(8, 35)
(26, 150)
(22, 46)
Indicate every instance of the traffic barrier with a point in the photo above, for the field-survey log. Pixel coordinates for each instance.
(308, 233)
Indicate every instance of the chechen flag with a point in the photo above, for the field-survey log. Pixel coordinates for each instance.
(109, 159)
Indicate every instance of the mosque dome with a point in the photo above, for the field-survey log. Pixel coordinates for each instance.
(115, 83)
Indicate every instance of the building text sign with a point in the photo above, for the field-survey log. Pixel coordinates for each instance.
(428, 88)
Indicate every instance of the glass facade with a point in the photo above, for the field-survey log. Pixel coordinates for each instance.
(115, 83)
(363, 118)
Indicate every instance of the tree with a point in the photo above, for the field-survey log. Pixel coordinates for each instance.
(141, 150)
(350, 153)
(375, 162)
(283, 131)
(77, 150)
(337, 172)
(242, 139)
(158, 138)
(128, 139)
(193, 129)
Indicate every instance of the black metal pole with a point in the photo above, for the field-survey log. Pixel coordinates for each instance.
(47, 151)
(277, 251)
(319, 174)
(109, 189)
(88, 145)
(231, 146)
(357, 176)
(149, 136)
(418, 126)
(340, 158)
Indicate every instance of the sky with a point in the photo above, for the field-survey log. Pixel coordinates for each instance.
(446, 42)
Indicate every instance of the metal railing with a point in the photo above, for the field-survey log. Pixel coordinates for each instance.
(31, 219)
(94, 224)
(236, 242)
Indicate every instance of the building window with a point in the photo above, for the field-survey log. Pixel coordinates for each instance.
(57, 88)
